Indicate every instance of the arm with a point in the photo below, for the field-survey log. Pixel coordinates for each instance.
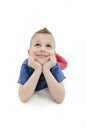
(26, 90)
(56, 89)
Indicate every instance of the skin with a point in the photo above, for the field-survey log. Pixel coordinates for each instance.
(42, 59)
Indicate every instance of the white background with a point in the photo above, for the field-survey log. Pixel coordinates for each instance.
(66, 19)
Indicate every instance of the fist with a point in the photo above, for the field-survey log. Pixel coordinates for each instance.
(33, 63)
(51, 63)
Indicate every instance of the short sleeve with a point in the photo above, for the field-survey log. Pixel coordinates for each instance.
(57, 73)
(24, 74)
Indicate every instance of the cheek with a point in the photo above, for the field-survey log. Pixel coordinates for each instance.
(31, 52)
(51, 53)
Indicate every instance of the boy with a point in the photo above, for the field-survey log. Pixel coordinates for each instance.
(41, 69)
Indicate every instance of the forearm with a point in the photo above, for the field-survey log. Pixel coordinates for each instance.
(26, 91)
(56, 89)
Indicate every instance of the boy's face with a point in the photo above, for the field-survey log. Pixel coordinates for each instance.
(42, 47)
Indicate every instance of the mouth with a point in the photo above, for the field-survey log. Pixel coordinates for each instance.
(41, 55)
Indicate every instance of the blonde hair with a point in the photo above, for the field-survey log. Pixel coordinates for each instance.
(44, 31)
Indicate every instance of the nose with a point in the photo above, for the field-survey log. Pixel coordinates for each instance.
(42, 49)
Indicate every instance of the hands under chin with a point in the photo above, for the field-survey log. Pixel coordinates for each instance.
(50, 63)
(36, 65)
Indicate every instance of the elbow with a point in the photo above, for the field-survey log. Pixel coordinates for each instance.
(23, 100)
(59, 101)
(60, 98)
(22, 97)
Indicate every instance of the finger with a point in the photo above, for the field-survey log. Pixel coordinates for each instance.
(31, 57)
(51, 57)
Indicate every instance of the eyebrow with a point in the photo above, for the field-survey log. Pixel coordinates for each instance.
(38, 41)
(50, 42)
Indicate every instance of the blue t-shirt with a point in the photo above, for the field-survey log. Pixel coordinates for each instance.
(26, 71)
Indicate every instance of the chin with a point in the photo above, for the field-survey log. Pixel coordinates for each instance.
(42, 62)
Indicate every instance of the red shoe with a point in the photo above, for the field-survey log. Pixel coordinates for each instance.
(62, 62)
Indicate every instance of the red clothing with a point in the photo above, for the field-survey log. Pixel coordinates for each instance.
(62, 62)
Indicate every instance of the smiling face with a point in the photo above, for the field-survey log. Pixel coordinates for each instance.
(42, 47)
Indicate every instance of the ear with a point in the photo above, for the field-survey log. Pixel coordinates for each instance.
(28, 52)
(55, 54)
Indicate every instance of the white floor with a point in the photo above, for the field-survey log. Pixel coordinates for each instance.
(41, 112)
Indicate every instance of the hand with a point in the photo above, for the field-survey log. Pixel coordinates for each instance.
(52, 62)
(34, 64)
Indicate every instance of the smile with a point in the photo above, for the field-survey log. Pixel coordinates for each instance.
(41, 55)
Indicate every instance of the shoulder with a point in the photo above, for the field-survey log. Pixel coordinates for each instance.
(26, 66)
(57, 66)
(25, 61)
(56, 69)
(57, 73)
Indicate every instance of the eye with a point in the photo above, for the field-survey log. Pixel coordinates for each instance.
(48, 46)
(37, 44)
